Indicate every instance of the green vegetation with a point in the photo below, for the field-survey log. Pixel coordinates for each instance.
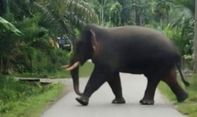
(189, 107)
(86, 69)
(25, 99)
(29, 46)
(21, 99)
(29, 31)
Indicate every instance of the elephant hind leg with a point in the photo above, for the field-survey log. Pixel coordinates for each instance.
(149, 94)
(171, 81)
(115, 84)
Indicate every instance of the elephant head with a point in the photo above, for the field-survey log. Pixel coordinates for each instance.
(83, 49)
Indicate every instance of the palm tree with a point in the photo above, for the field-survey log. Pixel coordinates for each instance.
(115, 11)
(7, 31)
(62, 16)
(38, 20)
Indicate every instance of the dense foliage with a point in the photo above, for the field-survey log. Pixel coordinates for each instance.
(32, 46)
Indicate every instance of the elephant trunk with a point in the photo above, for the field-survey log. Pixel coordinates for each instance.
(75, 78)
(73, 67)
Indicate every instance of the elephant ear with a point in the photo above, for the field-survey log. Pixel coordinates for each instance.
(94, 42)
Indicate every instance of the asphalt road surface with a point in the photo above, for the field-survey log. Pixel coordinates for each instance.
(100, 102)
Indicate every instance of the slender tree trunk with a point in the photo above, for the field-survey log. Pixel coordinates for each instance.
(7, 6)
(137, 16)
(1, 62)
(102, 3)
(1, 7)
(137, 13)
(102, 15)
(195, 39)
(125, 13)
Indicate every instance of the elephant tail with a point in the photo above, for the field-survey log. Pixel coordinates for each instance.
(186, 83)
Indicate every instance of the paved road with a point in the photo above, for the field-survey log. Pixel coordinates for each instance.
(100, 103)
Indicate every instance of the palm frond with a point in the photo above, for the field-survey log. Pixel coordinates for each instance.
(7, 26)
(50, 20)
(80, 13)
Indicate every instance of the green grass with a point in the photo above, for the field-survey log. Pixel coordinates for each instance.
(25, 100)
(189, 107)
(86, 69)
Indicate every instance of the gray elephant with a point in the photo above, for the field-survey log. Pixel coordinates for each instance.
(128, 49)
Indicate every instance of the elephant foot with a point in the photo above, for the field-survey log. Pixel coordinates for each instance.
(147, 102)
(119, 101)
(83, 100)
(182, 97)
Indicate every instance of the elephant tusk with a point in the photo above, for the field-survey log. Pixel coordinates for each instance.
(76, 64)
(65, 66)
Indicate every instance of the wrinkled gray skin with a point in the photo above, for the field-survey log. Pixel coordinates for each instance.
(129, 49)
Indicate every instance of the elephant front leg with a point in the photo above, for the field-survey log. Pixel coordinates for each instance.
(148, 98)
(97, 78)
(115, 84)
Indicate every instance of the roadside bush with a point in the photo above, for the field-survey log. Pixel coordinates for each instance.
(40, 62)
(12, 90)
(182, 35)
(22, 99)
(182, 40)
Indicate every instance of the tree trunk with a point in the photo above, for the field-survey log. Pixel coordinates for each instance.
(137, 16)
(102, 15)
(1, 66)
(195, 39)
(125, 13)
(7, 6)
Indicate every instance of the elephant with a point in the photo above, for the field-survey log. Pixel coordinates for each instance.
(127, 49)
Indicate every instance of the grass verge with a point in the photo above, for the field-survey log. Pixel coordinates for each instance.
(189, 107)
(25, 100)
